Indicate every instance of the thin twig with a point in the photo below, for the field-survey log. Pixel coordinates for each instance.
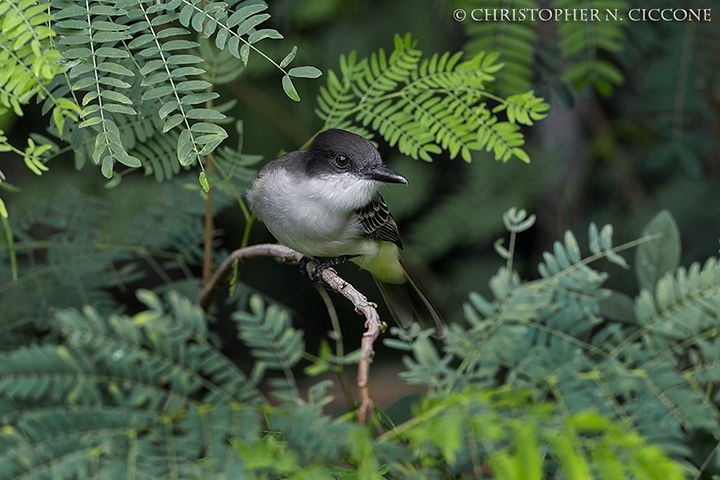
(209, 226)
(339, 350)
(373, 324)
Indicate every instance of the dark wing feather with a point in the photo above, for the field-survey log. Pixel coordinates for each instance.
(378, 222)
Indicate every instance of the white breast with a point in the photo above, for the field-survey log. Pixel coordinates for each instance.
(315, 216)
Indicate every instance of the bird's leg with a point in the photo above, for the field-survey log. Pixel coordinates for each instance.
(321, 267)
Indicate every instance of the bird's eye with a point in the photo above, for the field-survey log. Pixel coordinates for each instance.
(341, 161)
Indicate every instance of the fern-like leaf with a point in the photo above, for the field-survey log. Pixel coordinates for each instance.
(425, 106)
(273, 342)
(28, 63)
(136, 64)
(142, 397)
(27, 57)
(97, 72)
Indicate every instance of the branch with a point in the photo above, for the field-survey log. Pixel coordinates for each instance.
(241, 255)
(373, 324)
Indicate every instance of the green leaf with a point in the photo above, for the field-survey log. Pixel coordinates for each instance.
(521, 155)
(186, 14)
(172, 122)
(158, 92)
(528, 452)
(618, 306)
(657, 257)
(108, 52)
(116, 97)
(500, 249)
(196, 98)
(115, 108)
(572, 247)
(167, 109)
(262, 34)
(106, 167)
(594, 238)
(190, 85)
(305, 72)
(205, 114)
(84, 82)
(244, 12)
(185, 148)
(289, 88)
(113, 82)
(251, 23)
(245, 53)
(289, 57)
(204, 182)
(210, 128)
(129, 161)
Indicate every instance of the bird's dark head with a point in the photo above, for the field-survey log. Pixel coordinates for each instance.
(338, 151)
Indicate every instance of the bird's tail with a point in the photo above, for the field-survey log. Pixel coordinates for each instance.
(408, 305)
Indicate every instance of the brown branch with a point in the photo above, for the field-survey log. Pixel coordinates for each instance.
(241, 255)
(373, 324)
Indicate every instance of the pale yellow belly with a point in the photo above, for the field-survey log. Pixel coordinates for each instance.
(385, 265)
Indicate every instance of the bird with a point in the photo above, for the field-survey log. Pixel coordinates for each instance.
(325, 202)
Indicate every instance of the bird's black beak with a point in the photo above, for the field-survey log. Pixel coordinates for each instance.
(383, 174)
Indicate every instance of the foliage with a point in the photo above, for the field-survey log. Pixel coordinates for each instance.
(29, 63)
(429, 105)
(122, 398)
(648, 363)
(149, 396)
(29, 58)
(557, 377)
(70, 253)
(127, 73)
(139, 42)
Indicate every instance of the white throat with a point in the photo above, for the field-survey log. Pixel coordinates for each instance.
(340, 192)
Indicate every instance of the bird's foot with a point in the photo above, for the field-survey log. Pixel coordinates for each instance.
(317, 274)
(303, 263)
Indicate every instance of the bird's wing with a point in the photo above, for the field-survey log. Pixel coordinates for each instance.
(378, 222)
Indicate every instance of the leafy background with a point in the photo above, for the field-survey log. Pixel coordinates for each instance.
(633, 131)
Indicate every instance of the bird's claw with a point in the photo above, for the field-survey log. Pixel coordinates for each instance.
(317, 274)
